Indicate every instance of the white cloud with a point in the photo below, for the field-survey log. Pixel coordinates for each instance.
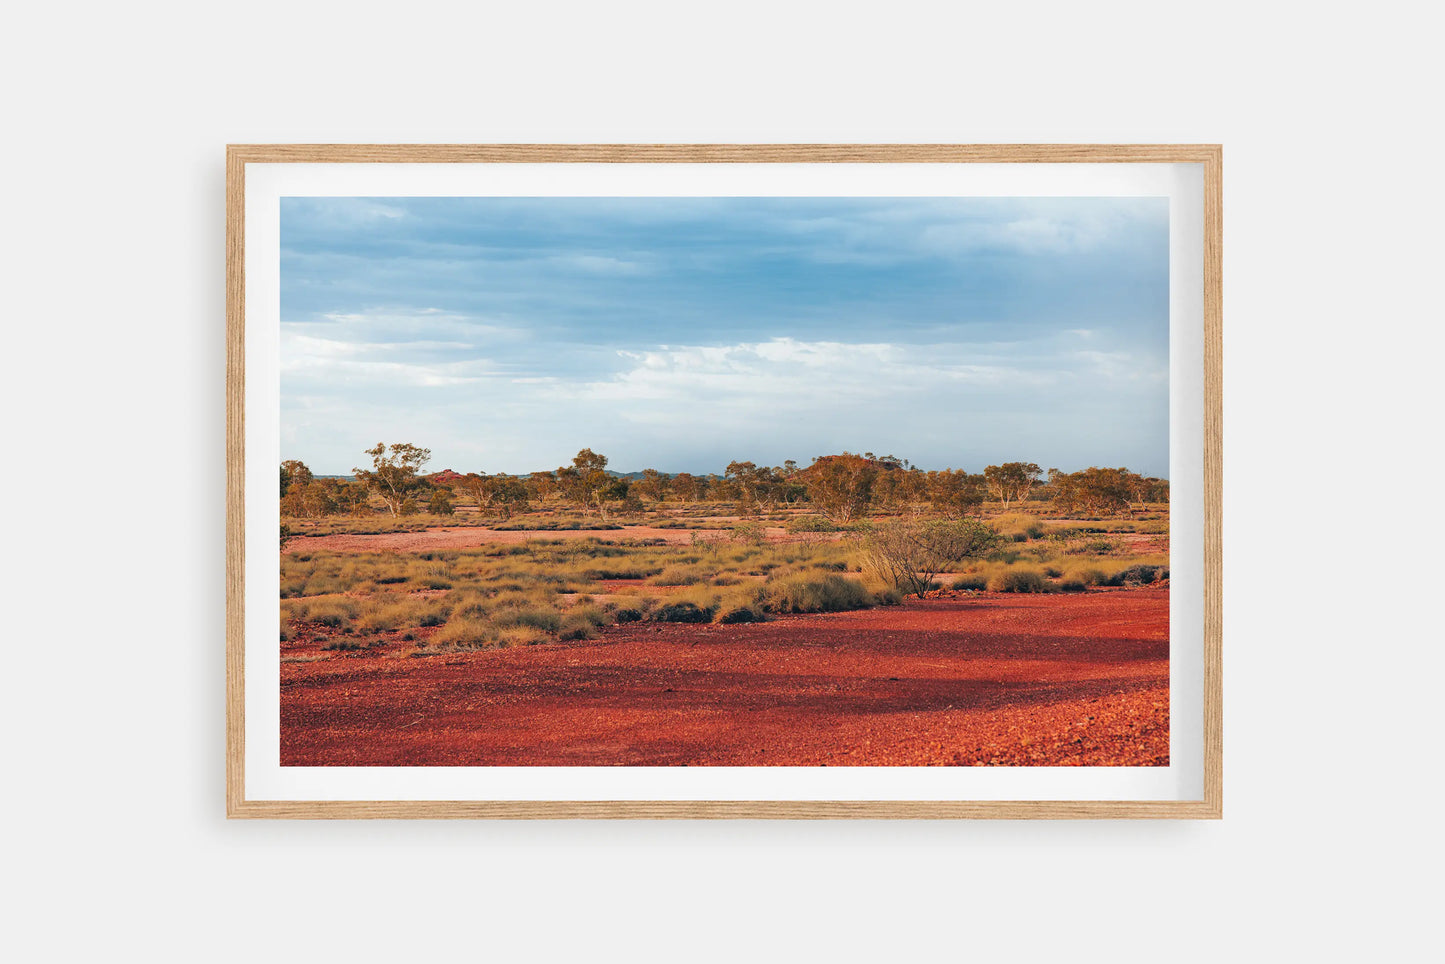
(784, 374)
(350, 365)
(398, 326)
(1122, 366)
(295, 345)
(598, 264)
(1029, 236)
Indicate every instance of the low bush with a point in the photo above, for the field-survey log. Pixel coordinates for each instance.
(547, 620)
(682, 576)
(333, 612)
(1018, 580)
(620, 572)
(1092, 547)
(1140, 575)
(748, 532)
(1089, 576)
(909, 554)
(970, 583)
(742, 614)
(324, 584)
(520, 636)
(805, 594)
(809, 523)
(681, 612)
(387, 616)
(886, 596)
(465, 632)
(576, 627)
(1018, 526)
(588, 613)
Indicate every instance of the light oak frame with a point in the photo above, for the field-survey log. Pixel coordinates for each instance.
(1207, 155)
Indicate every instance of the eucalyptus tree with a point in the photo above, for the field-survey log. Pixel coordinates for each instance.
(395, 474)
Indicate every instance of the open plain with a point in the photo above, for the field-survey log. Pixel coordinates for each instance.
(954, 678)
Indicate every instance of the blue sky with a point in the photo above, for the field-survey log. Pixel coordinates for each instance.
(505, 334)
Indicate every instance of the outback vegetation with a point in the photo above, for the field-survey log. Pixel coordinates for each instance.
(750, 544)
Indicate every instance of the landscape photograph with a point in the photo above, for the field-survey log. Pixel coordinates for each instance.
(724, 481)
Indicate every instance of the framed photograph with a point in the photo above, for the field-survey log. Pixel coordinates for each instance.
(739, 481)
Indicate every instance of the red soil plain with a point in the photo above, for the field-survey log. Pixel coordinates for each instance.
(954, 679)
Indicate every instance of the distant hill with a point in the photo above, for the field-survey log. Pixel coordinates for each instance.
(444, 477)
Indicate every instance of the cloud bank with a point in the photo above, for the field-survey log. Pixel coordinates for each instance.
(506, 334)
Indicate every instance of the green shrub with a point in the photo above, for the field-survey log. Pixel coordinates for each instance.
(806, 594)
(887, 596)
(621, 572)
(547, 620)
(324, 584)
(1089, 576)
(682, 576)
(682, 612)
(742, 614)
(1018, 580)
(1140, 575)
(592, 615)
(1018, 526)
(332, 612)
(909, 554)
(748, 532)
(809, 523)
(1072, 585)
(970, 583)
(575, 627)
(465, 632)
(387, 616)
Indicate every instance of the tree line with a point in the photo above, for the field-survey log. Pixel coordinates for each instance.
(843, 487)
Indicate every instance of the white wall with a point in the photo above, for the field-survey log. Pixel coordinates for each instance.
(116, 117)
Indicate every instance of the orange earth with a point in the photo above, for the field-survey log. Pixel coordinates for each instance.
(956, 679)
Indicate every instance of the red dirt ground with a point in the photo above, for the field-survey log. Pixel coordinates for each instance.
(987, 679)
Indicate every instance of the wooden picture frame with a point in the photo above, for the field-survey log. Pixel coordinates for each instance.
(1207, 158)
